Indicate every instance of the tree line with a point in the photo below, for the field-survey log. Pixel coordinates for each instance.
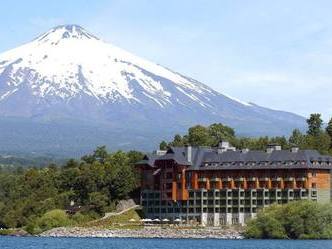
(316, 137)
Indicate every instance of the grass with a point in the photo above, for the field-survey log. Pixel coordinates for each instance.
(119, 221)
(5, 232)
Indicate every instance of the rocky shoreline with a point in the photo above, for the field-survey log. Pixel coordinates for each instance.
(146, 232)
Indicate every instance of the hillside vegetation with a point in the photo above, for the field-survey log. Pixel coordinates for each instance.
(35, 198)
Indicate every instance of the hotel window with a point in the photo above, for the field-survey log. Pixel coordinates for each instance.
(314, 173)
(313, 185)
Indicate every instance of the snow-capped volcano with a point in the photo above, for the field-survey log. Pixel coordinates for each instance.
(68, 62)
(70, 74)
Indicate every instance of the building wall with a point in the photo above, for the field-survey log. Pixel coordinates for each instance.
(223, 197)
(220, 207)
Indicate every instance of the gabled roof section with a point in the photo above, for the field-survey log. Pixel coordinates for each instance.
(148, 159)
(177, 154)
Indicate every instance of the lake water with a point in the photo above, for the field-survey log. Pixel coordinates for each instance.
(68, 243)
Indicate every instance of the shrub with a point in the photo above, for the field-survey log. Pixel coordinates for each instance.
(296, 220)
(52, 219)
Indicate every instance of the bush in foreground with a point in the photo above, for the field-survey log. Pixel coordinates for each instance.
(296, 220)
(51, 219)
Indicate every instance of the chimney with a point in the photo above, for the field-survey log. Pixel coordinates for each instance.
(295, 149)
(189, 153)
(272, 147)
(246, 150)
(225, 146)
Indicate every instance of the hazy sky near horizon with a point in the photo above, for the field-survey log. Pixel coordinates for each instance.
(277, 54)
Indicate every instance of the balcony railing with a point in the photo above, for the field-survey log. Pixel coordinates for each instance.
(227, 179)
(276, 179)
(252, 179)
(301, 179)
(264, 179)
(215, 179)
(202, 179)
(289, 179)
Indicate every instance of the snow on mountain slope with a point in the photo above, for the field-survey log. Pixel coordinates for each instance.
(69, 75)
(59, 61)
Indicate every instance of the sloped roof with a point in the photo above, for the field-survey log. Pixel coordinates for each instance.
(207, 158)
(148, 159)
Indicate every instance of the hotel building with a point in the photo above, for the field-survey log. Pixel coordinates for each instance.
(221, 186)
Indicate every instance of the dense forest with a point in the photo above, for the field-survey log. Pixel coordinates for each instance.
(317, 137)
(35, 198)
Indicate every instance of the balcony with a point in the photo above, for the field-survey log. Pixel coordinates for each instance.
(264, 179)
(289, 179)
(252, 179)
(215, 179)
(239, 179)
(227, 179)
(301, 179)
(276, 179)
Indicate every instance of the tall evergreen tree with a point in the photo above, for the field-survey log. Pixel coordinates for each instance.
(329, 128)
(297, 138)
(163, 145)
(314, 124)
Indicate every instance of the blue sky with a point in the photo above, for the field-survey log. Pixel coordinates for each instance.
(274, 53)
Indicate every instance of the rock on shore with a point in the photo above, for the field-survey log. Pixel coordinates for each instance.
(146, 232)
